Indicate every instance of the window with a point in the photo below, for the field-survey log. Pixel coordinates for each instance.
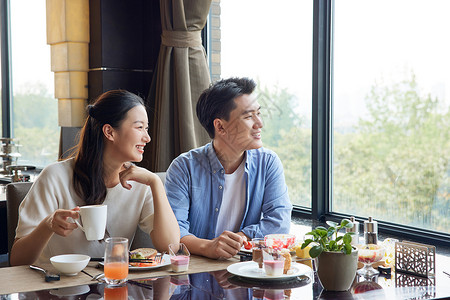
(391, 129)
(380, 116)
(272, 44)
(1, 87)
(35, 112)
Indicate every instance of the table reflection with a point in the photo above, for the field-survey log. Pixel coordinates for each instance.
(365, 286)
(223, 285)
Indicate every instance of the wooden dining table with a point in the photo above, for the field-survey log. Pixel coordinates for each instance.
(24, 279)
(208, 278)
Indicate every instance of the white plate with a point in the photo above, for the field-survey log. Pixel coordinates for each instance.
(250, 269)
(164, 262)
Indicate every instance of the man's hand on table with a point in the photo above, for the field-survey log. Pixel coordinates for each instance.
(225, 245)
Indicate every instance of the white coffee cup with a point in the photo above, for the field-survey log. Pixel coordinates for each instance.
(93, 218)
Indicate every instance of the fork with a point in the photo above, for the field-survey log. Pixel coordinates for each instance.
(98, 277)
(159, 257)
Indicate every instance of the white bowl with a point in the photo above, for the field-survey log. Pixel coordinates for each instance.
(70, 264)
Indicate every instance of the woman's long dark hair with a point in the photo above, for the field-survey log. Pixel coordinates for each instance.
(110, 108)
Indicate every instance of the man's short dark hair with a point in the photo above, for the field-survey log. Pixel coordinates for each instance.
(217, 101)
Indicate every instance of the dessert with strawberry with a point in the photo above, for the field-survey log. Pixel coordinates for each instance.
(370, 253)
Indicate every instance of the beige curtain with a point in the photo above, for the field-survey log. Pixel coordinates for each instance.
(181, 75)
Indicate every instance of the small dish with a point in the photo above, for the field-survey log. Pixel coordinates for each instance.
(70, 264)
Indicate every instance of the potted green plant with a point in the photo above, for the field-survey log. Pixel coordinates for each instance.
(337, 259)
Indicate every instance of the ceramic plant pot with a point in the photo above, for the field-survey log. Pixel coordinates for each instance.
(337, 270)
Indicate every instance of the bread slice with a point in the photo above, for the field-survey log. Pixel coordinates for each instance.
(287, 260)
(144, 253)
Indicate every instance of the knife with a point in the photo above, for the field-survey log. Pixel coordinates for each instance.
(240, 253)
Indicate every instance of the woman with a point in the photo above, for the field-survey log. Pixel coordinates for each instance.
(100, 172)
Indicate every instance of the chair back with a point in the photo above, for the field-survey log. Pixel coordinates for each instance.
(15, 192)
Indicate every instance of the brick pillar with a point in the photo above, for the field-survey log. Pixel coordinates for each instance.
(68, 37)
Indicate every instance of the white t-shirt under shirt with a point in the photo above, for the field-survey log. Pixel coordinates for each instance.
(54, 190)
(233, 202)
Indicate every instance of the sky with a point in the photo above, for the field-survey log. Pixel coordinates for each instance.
(386, 41)
(30, 52)
(382, 40)
(255, 31)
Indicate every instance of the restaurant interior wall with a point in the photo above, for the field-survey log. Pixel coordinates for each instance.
(123, 50)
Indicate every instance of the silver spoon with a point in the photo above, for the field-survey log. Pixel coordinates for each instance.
(48, 276)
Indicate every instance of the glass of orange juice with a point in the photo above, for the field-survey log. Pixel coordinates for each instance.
(116, 261)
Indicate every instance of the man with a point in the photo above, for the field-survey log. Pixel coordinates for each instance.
(231, 189)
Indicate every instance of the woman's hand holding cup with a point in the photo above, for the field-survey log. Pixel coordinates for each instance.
(59, 223)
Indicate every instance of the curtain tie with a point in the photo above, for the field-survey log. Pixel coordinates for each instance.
(181, 39)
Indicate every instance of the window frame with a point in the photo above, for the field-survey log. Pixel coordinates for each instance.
(6, 75)
(322, 141)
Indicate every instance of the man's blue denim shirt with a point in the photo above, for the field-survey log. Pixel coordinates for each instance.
(194, 186)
